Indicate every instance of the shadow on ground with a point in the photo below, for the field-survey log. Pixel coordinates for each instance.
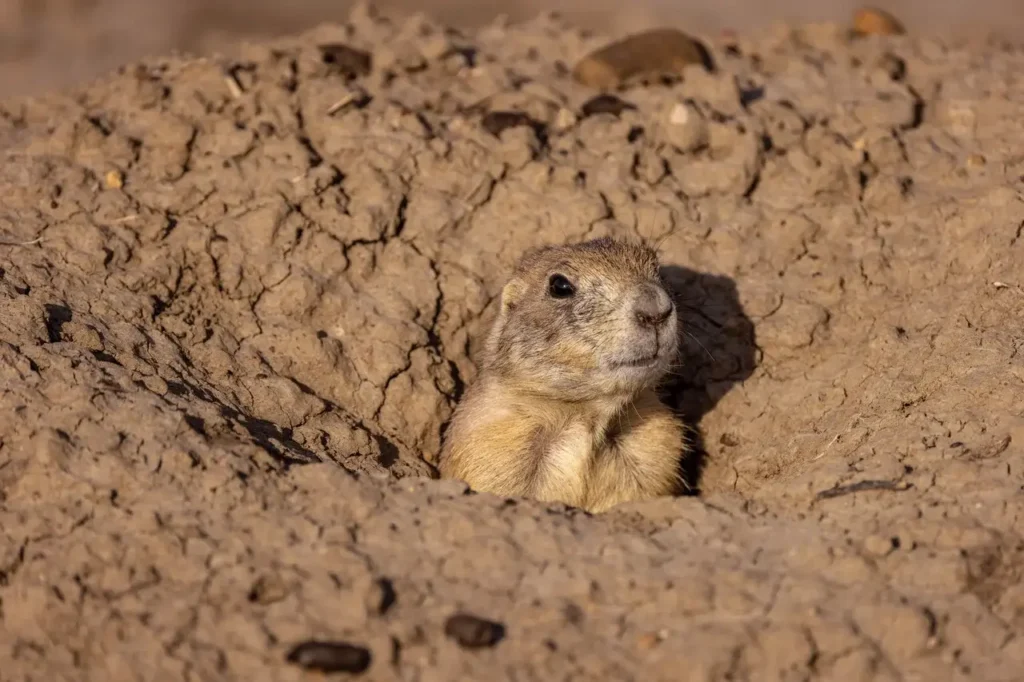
(718, 350)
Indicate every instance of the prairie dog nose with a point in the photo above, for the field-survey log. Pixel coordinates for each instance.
(652, 306)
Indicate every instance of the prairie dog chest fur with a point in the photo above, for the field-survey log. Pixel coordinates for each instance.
(564, 407)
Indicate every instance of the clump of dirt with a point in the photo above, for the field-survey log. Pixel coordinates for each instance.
(225, 374)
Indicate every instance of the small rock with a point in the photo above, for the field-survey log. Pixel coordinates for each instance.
(496, 122)
(605, 104)
(114, 179)
(564, 120)
(873, 21)
(472, 632)
(685, 127)
(330, 657)
(664, 50)
(348, 60)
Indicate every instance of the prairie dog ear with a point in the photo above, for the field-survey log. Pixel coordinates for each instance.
(511, 295)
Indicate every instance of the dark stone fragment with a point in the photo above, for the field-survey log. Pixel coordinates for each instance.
(330, 657)
(641, 55)
(472, 632)
(605, 104)
(497, 122)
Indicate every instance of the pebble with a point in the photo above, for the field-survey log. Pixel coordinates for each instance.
(564, 120)
(874, 21)
(330, 657)
(663, 50)
(976, 161)
(605, 104)
(496, 122)
(114, 179)
(472, 632)
(685, 127)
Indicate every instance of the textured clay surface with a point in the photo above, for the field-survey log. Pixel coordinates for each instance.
(46, 44)
(240, 296)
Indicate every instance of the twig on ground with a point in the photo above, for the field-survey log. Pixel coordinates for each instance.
(862, 486)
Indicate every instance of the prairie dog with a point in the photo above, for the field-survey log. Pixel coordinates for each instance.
(564, 408)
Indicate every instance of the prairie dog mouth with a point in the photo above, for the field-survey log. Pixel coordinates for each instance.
(645, 361)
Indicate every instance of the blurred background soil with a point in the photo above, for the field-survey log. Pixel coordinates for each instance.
(47, 44)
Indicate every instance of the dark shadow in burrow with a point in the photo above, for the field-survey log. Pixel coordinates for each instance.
(718, 350)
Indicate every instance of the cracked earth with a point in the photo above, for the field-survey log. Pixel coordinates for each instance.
(240, 296)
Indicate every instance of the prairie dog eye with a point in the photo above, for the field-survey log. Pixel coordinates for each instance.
(559, 286)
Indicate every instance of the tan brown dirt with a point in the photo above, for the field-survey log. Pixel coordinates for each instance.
(222, 377)
(48, 44)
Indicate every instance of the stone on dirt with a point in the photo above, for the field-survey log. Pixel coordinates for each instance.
(652, 52)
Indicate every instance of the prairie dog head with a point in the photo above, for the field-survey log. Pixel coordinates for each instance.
(584, 322)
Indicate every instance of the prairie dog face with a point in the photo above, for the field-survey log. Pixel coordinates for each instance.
(585, 321)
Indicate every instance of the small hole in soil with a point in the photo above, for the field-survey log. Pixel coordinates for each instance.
(388, 452)
(56, 317)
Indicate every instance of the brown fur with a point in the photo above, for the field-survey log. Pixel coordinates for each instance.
(558, 412)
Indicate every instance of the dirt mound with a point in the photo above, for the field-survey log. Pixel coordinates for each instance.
(240, 296)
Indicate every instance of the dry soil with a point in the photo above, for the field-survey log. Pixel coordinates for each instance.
(46, 44)
(239, 297)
